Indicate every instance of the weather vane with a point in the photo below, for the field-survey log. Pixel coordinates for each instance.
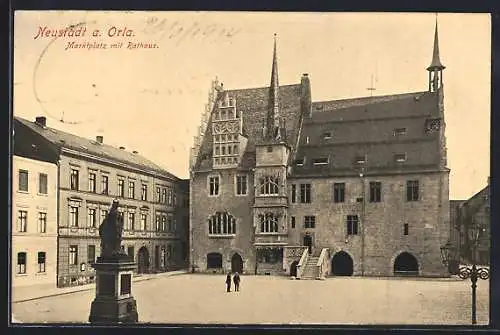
(371, 88)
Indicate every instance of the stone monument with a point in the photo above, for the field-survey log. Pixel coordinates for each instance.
(114, 302)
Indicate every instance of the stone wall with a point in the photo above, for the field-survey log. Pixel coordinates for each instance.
(204, 205)
(428, 221)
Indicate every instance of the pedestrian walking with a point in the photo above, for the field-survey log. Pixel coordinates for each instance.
(236, 280)
(228, 282)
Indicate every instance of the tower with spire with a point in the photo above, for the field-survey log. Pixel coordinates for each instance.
(275, 122)
(268, 195)
(436, 68)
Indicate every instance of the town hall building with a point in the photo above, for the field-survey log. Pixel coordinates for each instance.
(284, 185)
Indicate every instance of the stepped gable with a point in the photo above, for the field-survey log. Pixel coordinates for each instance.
(61, 139)
(365, 127)
(254, 106)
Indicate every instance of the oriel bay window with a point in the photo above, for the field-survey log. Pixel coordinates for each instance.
(268, 223)
(221, 223)
(269, 185)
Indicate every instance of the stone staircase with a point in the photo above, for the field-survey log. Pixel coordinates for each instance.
(310, 269)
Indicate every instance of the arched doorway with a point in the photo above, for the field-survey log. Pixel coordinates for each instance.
(406, 264)
(214, 260)
(342, 264)
(143, 260)
(308, 242)
(293, 269)
(236, 263)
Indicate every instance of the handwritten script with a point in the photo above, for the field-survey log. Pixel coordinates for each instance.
(82, 37)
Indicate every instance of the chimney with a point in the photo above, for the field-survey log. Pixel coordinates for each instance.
(41, 121)
(305, 95)
(122, 148)
(99, 139)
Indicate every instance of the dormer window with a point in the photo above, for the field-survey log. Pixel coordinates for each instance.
(300, 161)
(400, 158)
(327, 135)
(320, 161)
(360, 159)
(399, 131)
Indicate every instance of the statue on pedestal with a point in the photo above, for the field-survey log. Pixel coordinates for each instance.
(110, 232)
(114, 302)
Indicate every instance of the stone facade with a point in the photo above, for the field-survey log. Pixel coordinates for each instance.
(362, 182)
(145, 239)
(473, 211)
(34, 222)
(91, 174)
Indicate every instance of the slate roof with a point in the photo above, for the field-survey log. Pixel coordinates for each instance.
(358, 127)
(365, 127)
(254, 105)
(60, 139)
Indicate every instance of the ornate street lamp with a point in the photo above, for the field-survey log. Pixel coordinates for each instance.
(465, 272)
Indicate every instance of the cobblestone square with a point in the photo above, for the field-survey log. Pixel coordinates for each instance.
(202, 299)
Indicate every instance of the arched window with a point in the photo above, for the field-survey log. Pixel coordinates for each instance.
(268, 223)
(269, 185)
(221, 223)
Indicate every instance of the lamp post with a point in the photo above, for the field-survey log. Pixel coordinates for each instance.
(465, 272)
(363, 204)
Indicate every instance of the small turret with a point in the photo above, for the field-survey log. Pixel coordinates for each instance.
(436, 68)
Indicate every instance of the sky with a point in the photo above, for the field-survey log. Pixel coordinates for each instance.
(151, 99)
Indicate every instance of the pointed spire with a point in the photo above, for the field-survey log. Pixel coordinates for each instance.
(274, 91)
(436, 62)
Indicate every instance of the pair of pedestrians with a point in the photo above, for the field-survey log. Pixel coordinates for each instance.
(236, 280)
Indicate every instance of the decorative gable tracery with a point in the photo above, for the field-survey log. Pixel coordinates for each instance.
(227, 127)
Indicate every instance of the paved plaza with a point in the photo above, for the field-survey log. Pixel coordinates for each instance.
(198, 298)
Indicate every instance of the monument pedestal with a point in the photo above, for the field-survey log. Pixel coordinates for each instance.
(114, 302)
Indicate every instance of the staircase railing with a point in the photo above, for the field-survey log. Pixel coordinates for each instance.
(302, 263)
(322, 265)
